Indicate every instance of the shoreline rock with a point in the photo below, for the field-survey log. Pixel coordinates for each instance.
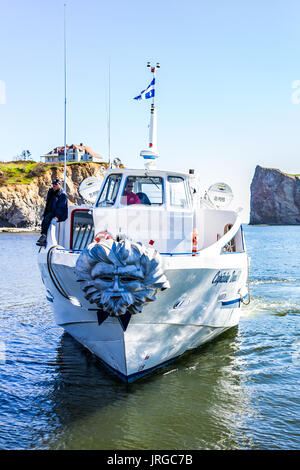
(275, 198)
(22, 205)
(18, 230)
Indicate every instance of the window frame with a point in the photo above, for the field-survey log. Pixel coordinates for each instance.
(72, 220)
(154, 204)
(97, 204)
(186, 190)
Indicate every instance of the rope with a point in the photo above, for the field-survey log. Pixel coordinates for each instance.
(248, 284)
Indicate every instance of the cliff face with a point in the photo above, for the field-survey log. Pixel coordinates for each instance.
(22, 205)
(275, 198)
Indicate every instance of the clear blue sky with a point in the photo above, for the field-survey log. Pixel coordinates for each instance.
(224, 90)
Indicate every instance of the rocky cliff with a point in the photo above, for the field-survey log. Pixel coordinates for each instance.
(21, 205)
(275, 198)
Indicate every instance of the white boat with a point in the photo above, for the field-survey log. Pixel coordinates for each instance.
(139, 284)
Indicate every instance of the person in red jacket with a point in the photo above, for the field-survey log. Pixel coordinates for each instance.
(129, 197)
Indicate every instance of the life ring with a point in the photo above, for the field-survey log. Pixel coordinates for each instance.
(102, 236)
(195, 241)
(227, 228)
(231, 245)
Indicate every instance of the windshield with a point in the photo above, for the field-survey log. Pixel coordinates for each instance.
(146, 190)
(110, 191)
(177, 192)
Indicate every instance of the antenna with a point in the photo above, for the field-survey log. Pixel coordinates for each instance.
(65, 104)
(151, 154)
(152, 127)
(108, 123)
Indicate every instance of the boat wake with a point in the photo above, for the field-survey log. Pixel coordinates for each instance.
(270, 280)
(260, 305)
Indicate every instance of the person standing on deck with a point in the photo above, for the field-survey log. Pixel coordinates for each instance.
(56, 207)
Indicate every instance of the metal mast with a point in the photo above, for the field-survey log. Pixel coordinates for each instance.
(153, 124)
(108, 120)
(65, 102)
(151, 154)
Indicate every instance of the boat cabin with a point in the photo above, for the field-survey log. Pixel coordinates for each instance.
(153, 207)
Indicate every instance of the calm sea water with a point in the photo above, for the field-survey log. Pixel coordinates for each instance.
(239, 392)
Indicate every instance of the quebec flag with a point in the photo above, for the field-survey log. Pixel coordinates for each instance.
(148, 93)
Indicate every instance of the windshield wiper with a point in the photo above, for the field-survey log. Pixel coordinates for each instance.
(153, 182)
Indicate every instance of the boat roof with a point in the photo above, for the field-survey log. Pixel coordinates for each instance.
(144, 172)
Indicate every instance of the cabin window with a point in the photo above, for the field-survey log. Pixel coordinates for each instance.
(177, 192)
(82, 229)
(110, 191)
(146, 190)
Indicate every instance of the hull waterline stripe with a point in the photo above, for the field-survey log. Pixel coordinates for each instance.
(165, 254)
(199, 325)
(136, 375)
(162, 254)
(229, 302)
(181, 254)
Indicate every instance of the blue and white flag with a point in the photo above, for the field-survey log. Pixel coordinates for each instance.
(148, 93)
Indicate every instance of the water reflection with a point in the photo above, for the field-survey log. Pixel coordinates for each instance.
(198, 402)
(240, 391)
(83, 385)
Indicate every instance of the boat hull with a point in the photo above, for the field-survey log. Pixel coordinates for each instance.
(130, 358)
(202, 302)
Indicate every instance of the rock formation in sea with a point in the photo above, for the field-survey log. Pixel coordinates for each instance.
(22, 205)
(275, 198)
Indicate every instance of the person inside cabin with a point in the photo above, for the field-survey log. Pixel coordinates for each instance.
(56, 208)
(129, 197)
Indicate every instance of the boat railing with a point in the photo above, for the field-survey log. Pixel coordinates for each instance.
(219, 245)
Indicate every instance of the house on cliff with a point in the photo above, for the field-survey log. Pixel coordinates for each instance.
(74, 153)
